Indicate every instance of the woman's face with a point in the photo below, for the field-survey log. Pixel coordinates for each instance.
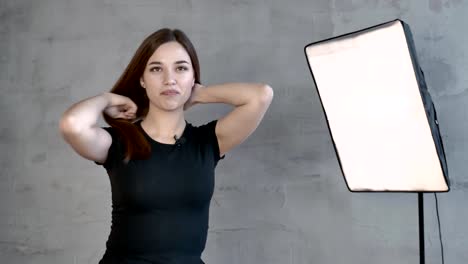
(168, 77)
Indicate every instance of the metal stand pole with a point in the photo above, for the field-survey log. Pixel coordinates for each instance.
(421, 227)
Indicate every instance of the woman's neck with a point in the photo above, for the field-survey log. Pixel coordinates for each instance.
(164, 125)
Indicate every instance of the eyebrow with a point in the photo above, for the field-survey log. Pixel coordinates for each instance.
(177, 62)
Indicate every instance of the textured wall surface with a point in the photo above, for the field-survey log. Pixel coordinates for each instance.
(279, 197)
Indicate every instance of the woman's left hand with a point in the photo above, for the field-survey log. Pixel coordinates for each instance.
(193, 97)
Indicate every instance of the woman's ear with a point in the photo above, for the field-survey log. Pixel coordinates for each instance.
(142, 83)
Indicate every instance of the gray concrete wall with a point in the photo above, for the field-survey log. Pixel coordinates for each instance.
(280, 197)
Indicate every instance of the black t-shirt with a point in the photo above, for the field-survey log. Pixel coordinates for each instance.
(160, 206)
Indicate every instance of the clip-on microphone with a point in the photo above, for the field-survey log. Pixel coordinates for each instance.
(179, 141)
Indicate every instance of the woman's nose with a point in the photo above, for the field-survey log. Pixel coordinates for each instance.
(169, 79)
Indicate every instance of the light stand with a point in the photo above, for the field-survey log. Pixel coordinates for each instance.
(379, 113)
(422, 255)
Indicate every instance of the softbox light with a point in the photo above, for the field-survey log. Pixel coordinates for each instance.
(381, 118)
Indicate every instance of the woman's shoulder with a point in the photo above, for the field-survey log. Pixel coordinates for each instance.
(206, 133)
(113, 132)
(204, 128)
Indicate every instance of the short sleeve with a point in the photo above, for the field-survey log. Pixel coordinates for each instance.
(209, 133)
(113, 152)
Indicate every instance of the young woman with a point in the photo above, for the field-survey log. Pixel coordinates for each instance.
(161, 167)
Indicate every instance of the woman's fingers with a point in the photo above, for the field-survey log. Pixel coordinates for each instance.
(131, 105)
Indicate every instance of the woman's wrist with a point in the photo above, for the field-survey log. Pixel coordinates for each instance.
(198, 93)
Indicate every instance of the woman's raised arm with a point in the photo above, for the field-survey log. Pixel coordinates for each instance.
(251, 101)
(78, 125)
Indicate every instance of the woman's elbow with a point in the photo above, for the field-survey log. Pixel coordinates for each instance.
(265, 94)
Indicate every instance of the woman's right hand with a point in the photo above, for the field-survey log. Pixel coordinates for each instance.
(120, 106)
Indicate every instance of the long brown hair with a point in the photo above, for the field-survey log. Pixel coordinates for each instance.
(134, 142)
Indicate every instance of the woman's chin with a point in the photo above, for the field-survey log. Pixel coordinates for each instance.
(172, 108)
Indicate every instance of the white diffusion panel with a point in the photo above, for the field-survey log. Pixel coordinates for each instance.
(369, 91)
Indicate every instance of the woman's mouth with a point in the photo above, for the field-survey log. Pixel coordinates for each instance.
(170, 92)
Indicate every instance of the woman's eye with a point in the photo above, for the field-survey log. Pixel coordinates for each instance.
(182, 68)
(155, 69)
